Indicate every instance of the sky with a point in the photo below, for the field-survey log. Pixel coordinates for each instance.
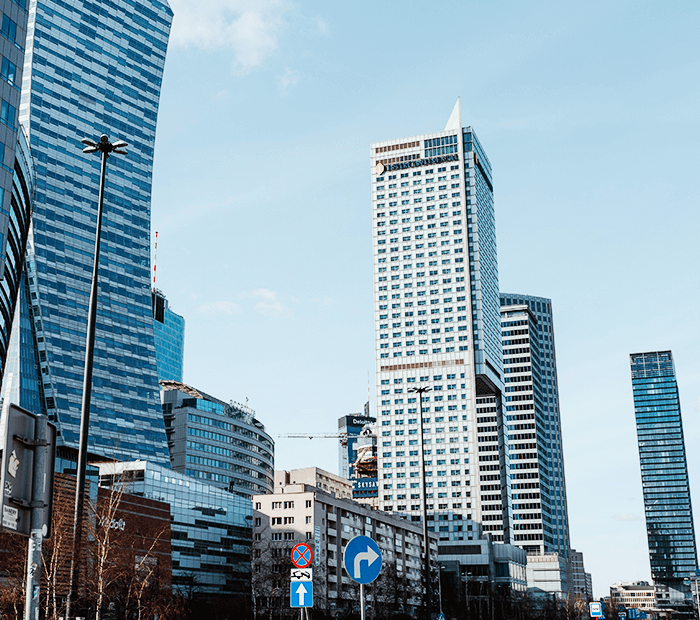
(589, 114)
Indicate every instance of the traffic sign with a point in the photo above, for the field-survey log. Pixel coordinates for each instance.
(362, 559)
(440, 616)
(302, 593)
(596, 609)
(18, 443)
(621, 608)
(302, 574)
(302, 555)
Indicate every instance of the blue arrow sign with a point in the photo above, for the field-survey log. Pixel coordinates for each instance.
(302, 594)
(362, 559)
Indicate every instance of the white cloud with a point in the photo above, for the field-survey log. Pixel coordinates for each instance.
(269, 303)
(271, 308)
(250, 29)
(291, 77)
(220, 307)
(262, 293)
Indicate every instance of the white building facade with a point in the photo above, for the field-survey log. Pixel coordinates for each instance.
(314, 506)
(437, 325)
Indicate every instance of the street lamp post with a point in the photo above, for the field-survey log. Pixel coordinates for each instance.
(105, 147)
(426, 545)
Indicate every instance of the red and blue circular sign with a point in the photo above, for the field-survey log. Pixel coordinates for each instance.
(302, 555)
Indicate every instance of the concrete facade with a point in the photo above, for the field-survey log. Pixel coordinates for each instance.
(301, 510)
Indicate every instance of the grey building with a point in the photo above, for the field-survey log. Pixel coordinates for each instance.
(437, 326)
(580, 581)
(211, 531)
(220, 443)
(93, 68)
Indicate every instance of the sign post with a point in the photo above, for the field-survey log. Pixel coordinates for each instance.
(362, 560)
(301, 590)
(28, 443)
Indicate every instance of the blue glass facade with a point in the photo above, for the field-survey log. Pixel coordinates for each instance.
(94, 68)
(667, 507)
(211, 529)
(169, 332)
(546, 392)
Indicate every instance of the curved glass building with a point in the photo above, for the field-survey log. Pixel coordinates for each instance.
(13, 284)
(220, 443)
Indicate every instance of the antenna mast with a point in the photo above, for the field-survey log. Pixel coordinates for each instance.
(155, 256)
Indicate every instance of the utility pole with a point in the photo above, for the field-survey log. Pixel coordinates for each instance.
(426, 542)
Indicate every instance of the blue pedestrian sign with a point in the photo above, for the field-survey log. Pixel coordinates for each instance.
(302, 594)
(362, 559)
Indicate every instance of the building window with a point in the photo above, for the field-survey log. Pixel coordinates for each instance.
(289, 504)
(308, 519)
(308, 503)
(309, 535)
(258, 505)
(288, 520)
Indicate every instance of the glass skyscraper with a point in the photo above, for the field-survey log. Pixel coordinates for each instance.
(93, 68)
(667, 507)
(437, 325)
(534, 423)
(169, 332)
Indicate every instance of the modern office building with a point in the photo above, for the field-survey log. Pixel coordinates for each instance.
(94, 68)
(667, 506)
(349, 428)
(221, 443)
(313, 506)
(437, 326)
(211, 529)
(581, 584)
(17, 184)
(14, 35)
(547, 575)
(169, 333)
(635, 594)
(14, 291)
(540, 509)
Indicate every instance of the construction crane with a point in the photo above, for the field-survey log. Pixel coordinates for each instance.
(342, 436)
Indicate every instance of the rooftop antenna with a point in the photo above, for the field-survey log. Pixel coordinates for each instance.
(155, 256)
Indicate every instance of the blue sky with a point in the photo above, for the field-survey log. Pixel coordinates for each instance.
(261, 198)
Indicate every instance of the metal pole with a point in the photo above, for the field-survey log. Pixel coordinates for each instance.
(362, 601)
(440, 586)
(31, 598)
(426, 543)
(85, 413)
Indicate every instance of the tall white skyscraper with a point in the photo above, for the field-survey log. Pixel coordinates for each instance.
(437, 325)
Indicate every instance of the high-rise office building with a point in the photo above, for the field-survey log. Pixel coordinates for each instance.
(437, 325)
(667, 507)
(350, 428)
(94, 68)
(16, 168)
(169, 333)
(534, 424)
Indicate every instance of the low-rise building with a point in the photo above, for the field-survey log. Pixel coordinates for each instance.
(301, 509)
(637, 594)
(547, 575)
(211, 531)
